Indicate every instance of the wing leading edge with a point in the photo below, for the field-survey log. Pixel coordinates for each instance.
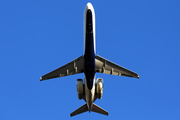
(102, 66)
(74, 67)
(108, 67)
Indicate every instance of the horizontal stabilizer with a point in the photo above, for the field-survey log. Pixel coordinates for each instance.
(97, 109)
(80, 110)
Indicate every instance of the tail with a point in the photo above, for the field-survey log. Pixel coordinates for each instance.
(80, 110)
(84, 108)
(98, 109)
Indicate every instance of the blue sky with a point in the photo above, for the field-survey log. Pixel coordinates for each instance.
(38, 36)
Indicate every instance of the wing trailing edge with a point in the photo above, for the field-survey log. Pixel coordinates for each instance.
(74, 67)
(105, 66)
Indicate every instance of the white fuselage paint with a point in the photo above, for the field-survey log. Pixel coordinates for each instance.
(89, 94)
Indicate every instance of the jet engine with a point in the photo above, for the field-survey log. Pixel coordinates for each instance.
(80, 88)
(99, 88)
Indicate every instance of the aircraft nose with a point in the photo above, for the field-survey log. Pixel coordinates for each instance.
(89, 6)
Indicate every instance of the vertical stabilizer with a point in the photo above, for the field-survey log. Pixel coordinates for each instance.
(80, 110)
(98, 109)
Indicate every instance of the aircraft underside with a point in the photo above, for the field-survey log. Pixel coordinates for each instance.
(90, 63)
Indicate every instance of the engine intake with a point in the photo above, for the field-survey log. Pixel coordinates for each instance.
(80, 88)
(99, 88)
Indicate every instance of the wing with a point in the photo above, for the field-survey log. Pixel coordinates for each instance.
(108, 67)
(74, 67)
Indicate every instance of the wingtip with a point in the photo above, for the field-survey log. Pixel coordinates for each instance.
(138, 76)
(40, 78)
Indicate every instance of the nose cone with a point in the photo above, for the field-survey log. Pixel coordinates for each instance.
(89, 6)
(89, 104)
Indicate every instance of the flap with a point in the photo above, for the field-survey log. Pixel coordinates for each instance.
(108, 67)
(74, 67)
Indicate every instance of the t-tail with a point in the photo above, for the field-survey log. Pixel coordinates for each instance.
(84, 108)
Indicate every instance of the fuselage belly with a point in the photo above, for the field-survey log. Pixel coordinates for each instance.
(89, 55)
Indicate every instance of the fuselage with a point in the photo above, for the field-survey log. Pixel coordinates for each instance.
(89, 63)
(89, 54)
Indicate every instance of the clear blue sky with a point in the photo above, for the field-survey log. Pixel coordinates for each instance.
(38, 36)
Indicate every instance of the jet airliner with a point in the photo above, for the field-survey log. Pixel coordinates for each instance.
(89, 64)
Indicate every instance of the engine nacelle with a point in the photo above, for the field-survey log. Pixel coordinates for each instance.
(80, 88)
(99, 88)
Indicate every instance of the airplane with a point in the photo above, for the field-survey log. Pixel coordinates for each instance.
(89, 64)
